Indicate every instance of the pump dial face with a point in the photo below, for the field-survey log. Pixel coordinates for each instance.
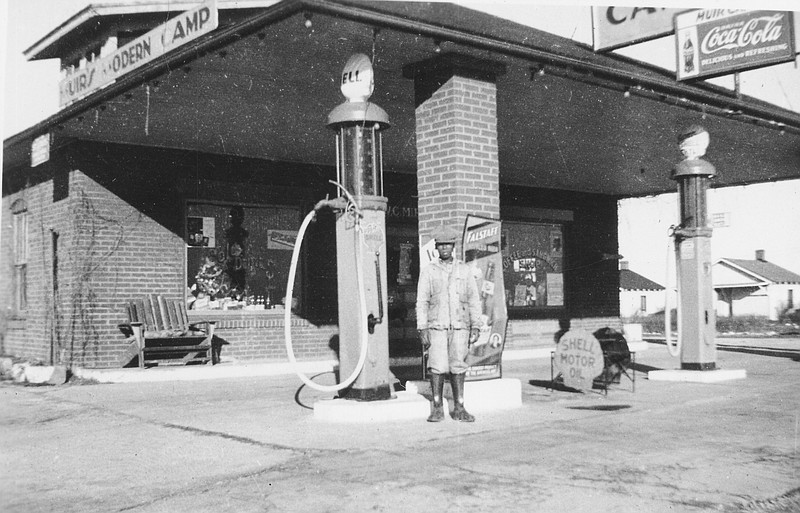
(358, 160)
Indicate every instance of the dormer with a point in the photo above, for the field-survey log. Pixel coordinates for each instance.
(100, 28)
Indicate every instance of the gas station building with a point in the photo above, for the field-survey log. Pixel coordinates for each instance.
(134, 187)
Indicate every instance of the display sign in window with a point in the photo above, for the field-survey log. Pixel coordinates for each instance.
(238, 256)
(533, 255)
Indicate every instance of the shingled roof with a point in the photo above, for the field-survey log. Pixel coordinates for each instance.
(766, 270)
(629, 280)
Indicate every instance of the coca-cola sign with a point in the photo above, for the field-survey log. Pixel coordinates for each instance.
(714, 42)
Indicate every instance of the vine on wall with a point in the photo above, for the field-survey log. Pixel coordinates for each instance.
(87, 258)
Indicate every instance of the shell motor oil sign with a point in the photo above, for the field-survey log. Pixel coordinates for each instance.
(713, 42)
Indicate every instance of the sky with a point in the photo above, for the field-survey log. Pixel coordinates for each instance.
(761, 216)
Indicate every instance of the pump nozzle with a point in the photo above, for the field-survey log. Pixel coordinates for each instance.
(335, 204)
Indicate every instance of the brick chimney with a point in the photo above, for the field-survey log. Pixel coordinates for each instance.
(761, 255)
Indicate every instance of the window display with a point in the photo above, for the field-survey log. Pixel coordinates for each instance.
(238, 256)
(533, 265)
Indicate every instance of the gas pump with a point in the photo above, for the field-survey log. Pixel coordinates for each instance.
(692, 237)
(360, 240)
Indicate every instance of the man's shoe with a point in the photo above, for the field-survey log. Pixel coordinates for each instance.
(461, 415)
(437, 389)
(437, 413)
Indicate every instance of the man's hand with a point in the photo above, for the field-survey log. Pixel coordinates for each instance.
(424, 338)
(474, 333)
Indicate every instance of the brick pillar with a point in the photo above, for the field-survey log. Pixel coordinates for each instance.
(456, 128)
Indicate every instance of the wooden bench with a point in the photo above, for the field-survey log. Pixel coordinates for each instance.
(162, 333)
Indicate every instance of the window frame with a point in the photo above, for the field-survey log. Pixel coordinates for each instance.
(21, 249)
(560, 219)
(264, 299)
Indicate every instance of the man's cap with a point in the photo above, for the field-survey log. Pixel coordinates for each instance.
(446, 235)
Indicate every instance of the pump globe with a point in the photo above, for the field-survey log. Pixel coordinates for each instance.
(693, 141)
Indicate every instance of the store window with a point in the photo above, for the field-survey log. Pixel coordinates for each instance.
(533, 265)
(402, 260)
(19, 212)
(238, 256)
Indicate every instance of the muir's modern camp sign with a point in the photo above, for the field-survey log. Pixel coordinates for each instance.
(718, 41)
(176, 32)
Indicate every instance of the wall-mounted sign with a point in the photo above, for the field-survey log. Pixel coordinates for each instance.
(617, 26)
(714, 42)
(201, 232)
(40, 150)
(427, 252)
(281, 239)
(178, 31)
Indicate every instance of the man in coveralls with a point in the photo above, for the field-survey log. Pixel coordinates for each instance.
(448, 322)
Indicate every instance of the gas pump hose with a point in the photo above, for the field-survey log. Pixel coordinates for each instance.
(674, 349)
(287, 318)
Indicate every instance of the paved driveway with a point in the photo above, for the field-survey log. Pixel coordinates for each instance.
(253, 444)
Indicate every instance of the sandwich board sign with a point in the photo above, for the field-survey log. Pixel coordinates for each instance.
(579, 359)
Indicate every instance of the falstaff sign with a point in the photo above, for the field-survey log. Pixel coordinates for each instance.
(718, 41)
(481, 244)
(178, 31)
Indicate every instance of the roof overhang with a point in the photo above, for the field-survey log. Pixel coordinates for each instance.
(262, 84)
(96, 17)
(755, 280)
(740, 286)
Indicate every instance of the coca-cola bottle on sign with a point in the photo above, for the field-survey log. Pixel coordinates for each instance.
(688, 56)
(487, 296)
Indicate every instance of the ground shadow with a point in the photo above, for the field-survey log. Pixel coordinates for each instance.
(601, 407)
(792, 354)
(556, 386)
(405, 372)
(300, 389)
(775, 352)
(638, 367)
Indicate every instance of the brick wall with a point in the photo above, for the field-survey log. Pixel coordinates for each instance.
(120, 237)
(457, 162)
(260, 336)
(32, 331)
(525, 334)
(116, 253)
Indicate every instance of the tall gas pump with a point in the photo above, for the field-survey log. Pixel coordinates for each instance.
(696, 314)
(361, 234)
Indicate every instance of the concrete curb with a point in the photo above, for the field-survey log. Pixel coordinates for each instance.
(26, 372)
(227, 370)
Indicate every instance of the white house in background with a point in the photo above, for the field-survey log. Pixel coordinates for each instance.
(638, 296)
(754, 287)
